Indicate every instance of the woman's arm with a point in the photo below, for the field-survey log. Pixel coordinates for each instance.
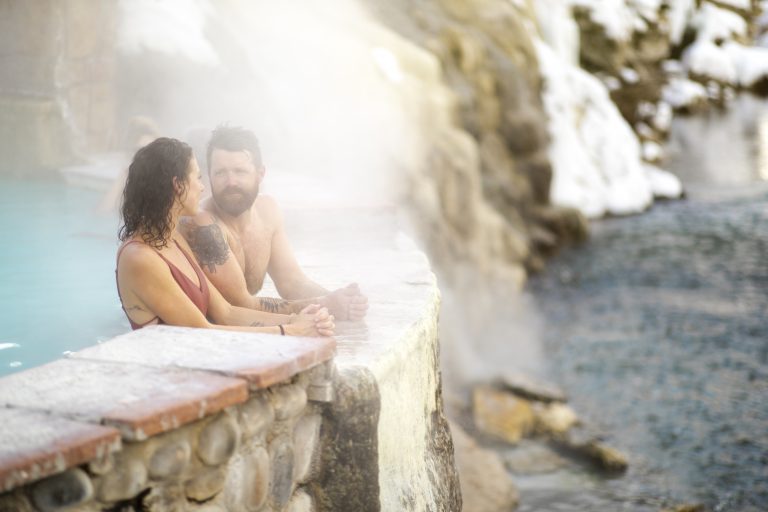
(313, 320)
(147, 285)
(222, 312)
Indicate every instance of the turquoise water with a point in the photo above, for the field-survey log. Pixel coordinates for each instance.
(57, 281)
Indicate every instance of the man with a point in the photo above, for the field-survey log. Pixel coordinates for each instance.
(239, 236)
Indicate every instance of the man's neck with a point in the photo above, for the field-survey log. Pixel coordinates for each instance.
(239, 223)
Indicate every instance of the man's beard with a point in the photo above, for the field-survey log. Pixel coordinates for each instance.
(235, 204)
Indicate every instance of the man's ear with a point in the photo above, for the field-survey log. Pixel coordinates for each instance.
(261, 171)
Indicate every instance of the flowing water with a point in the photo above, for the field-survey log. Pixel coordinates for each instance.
(57, 280)
(658, 330)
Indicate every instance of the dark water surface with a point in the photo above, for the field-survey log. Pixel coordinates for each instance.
(658, 329)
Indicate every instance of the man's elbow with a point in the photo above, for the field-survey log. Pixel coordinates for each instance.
(298, 289)
(289, 289)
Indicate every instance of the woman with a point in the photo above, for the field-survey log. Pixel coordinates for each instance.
(157, 280)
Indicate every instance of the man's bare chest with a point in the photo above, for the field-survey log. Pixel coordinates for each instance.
(252, 249)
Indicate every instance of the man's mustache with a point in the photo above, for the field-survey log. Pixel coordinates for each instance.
(230, 190)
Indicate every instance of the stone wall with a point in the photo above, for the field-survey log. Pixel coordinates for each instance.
(117, 426)
(489, 167)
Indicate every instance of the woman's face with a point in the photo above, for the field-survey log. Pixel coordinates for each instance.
(191, 198)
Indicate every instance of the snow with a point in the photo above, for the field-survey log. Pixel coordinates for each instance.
(738, 4)
(679, 13)
(611, 82)
(558, 28)
(673, 67)
(663, 118)
(595, 155)
(174, 28)
(648, 9)
(629, 75)
(713, 23)
(704, 58)
(751, 63)
(622, 17)
(596, 158)
(388, 64)
(651, 151)
(663, 183)
(681, 92)
(614, 15)
(716, 55)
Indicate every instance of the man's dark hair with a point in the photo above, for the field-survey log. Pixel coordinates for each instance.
(149, 192)
(234, 138)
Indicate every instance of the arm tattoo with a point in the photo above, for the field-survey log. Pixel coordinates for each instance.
(271, 305)
(135, 308)
(257, 324)
(208, 244)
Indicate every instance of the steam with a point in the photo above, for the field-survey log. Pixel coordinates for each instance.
(344, 110)
(488, 331)
(319, 84)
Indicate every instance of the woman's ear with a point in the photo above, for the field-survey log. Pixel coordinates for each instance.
(177, 186)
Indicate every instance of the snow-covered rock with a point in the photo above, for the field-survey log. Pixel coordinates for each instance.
(681, 92)
(595, 155)
(706, 60)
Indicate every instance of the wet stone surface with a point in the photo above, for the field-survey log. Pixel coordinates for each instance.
(125, 481)
(658, 330)
(306, 437)
(62, 491)
(218, 440)
(256, 479)
(170, 460)
(281, 456)
(206, 484)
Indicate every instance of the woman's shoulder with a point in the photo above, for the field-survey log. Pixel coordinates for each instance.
(135, 254)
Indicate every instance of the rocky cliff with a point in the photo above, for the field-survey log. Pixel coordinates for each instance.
(564, 108)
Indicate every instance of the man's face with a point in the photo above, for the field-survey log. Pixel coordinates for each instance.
(234, 180)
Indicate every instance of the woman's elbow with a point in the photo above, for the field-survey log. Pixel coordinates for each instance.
(220, 316)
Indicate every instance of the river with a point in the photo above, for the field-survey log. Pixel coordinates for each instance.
(657, 328)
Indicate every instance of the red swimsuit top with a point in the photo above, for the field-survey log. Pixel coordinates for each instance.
(200, 296)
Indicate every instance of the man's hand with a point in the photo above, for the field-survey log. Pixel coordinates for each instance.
(346, 303)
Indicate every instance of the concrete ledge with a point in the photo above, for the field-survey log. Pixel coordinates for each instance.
(261, 360)
(137, 400)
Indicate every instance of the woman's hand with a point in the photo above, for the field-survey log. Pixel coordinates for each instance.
(312, 321)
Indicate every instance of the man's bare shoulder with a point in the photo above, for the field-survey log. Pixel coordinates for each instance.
(208, 241)
(268, 209)
(204, 220)
(204, 217)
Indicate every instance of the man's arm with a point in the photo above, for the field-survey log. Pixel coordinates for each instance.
(289, 279)
(210, 247)
(346, 303)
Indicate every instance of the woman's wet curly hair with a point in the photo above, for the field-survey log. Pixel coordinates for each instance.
(149, 192)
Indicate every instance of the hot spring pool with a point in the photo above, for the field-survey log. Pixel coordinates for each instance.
(57, 279)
